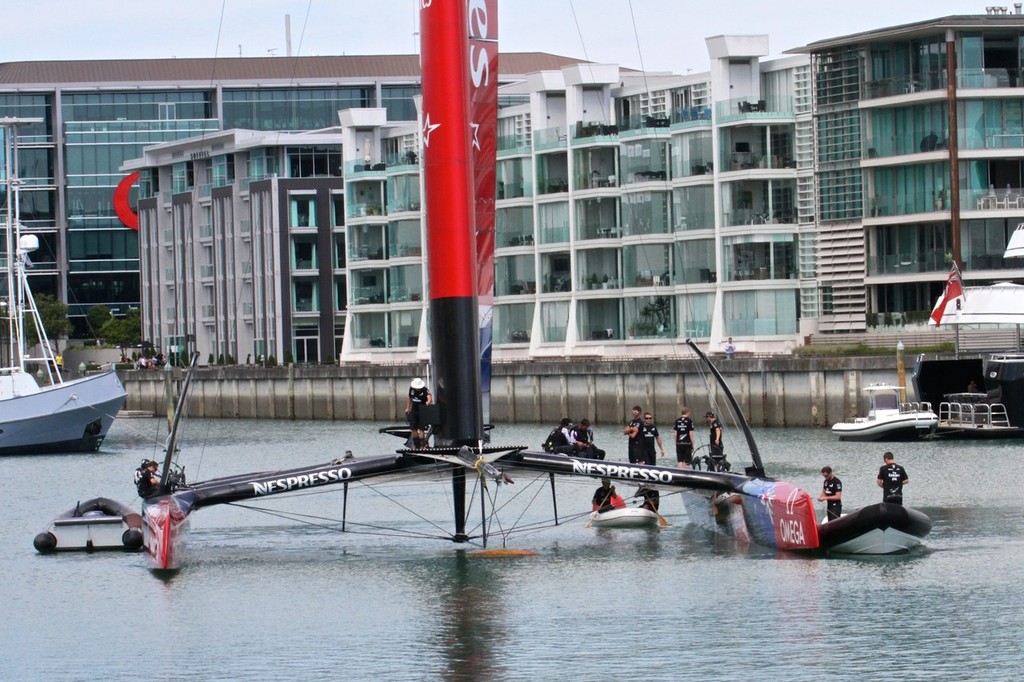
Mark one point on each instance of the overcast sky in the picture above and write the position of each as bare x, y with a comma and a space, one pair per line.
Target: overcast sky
659, 35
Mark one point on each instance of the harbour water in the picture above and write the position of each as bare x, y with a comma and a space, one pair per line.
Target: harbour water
269, 594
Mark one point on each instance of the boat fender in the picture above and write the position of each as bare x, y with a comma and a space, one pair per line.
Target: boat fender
45, 542
93, 427
132, 538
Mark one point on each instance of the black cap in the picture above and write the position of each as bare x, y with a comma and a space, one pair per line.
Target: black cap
709, 413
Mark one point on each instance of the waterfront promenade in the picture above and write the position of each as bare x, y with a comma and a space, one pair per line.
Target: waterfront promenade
772, 391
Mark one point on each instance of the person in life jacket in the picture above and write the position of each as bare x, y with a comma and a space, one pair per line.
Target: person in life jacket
605, 498
146, 481
560, 438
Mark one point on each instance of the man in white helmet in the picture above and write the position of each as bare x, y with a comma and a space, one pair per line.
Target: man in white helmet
419, 397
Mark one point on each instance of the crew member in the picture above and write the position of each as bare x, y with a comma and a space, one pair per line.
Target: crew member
891, 479
605, 497
648, 437
831, 494
419, 397
652, 498
583, 439
717, 453
632, 432
684, 439
146, 481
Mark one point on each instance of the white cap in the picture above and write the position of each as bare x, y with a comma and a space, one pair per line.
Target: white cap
417, 383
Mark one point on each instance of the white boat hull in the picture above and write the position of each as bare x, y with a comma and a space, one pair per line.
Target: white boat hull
73, 416
878, 541
630, 517
94, 525
906, 426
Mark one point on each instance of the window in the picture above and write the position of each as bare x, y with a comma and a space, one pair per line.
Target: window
302, 211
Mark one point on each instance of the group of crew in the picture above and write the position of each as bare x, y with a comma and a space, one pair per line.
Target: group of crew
891, 479
569, 439
643, 441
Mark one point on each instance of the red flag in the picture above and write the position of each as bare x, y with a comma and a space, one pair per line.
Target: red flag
954, 290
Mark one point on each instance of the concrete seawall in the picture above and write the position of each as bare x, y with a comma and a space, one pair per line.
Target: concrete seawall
771, 391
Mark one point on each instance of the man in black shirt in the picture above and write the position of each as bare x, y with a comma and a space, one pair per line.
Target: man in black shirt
632, 432
831, 494
717, 450
648, 437
146, 481
891, 479
684, 439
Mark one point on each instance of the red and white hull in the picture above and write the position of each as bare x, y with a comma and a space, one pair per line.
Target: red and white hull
165, 533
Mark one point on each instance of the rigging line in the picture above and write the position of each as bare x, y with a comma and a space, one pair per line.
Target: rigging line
302, 518
583, 46
639, 52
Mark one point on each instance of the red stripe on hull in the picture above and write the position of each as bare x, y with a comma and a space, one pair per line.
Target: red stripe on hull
165, 532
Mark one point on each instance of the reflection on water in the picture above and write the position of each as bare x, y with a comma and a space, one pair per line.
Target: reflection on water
292, 597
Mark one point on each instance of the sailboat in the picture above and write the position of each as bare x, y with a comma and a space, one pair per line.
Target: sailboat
59, 415
749, 506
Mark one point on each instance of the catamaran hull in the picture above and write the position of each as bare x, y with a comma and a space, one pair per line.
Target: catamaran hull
73, 416
165, 525
630, 517
906, 427
94, 525
877, 529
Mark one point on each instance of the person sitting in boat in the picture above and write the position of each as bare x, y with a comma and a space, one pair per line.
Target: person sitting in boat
419, 397
652, 498
831, 494
146, 481
606, 499
583, 441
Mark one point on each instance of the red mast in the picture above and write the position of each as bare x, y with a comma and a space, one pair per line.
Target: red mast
452, 265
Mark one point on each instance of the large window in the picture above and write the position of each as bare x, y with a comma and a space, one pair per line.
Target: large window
553, 222
761, 313
309, 162
399, 100
513, 322
291, 109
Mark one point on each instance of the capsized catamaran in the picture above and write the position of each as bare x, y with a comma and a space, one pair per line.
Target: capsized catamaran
456, 64
60, 415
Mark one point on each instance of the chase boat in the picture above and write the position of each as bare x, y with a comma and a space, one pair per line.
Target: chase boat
888, 418
93, 525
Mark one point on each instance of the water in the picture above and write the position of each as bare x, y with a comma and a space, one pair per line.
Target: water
267, 597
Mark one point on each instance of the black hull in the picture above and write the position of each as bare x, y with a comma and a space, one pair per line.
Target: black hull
877, 529
86, 444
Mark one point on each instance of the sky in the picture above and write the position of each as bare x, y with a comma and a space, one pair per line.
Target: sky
656, 35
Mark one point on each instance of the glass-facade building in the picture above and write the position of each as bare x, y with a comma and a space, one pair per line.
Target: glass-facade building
895, 168
96, 115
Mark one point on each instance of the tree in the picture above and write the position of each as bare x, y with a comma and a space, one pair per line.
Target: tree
54, 315
123, 332
96, 317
